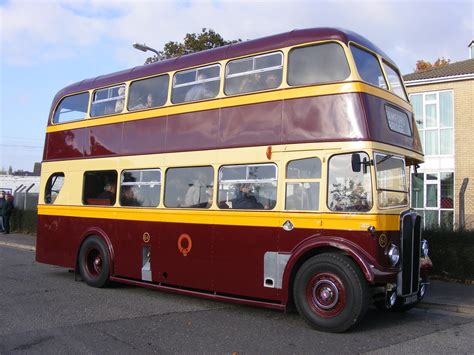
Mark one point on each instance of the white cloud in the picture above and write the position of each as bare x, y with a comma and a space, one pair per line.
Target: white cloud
35, 32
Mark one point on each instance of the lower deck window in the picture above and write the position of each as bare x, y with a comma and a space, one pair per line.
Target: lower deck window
189, 187
53, 187
140, 188
247, 187
100, 187
349, 189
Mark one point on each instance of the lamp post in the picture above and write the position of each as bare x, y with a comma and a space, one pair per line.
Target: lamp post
144, 48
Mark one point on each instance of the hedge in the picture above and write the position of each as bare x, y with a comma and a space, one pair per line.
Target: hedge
23, 221
452, 253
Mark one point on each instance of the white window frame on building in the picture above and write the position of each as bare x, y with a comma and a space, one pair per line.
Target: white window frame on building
435, 117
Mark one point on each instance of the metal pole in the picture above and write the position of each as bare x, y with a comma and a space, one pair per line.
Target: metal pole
462, 192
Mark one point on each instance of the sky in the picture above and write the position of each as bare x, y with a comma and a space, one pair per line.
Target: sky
47, 45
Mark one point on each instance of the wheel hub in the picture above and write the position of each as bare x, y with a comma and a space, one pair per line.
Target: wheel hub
325, 294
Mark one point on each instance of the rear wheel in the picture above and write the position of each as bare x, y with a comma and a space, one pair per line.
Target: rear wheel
94, 262
330, 292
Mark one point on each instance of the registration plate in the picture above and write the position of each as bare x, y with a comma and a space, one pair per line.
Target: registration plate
410, 299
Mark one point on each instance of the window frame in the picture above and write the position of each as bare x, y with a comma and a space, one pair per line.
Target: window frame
247, 181
385, 62
195, 82
379, 189
49, 187
303, 180
314, 45
147, 183
377, 58
83, 199
254, 71
130, 86
68, 96
109, 99
371, 190
188, 207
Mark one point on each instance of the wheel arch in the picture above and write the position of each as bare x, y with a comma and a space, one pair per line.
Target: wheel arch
317, 246
93, 231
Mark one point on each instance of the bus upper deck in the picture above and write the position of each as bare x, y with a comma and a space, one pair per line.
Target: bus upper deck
315, 85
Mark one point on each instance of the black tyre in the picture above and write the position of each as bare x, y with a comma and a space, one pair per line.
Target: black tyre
330, 292
94, 262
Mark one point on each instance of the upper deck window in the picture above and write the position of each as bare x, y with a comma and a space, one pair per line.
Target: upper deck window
72, 108
196, 84
148, 93
395, 81
317, 64
108, 101
256, 73
369, 67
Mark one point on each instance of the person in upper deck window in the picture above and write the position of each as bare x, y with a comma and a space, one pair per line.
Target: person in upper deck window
200, 90
120, 103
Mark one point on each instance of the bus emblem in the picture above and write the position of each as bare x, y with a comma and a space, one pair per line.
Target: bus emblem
184, 244
383, 240
146, 237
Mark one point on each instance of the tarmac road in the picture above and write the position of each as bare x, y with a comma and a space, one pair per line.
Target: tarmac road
43, 310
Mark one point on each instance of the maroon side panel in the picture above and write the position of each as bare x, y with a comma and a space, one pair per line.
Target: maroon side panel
70, 144
323, 118
314, 119
224, 259
191, 130
128, 246
239, 260
105, 140
257, 124
59, 238
144, 136
195, 269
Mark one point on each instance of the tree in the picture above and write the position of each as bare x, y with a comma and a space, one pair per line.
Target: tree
422, 65
193, 42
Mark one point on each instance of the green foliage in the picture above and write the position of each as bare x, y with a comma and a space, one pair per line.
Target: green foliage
23, 221
193, 42
452, 253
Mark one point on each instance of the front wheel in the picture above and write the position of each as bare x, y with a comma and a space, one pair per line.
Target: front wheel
330, 292
94, 262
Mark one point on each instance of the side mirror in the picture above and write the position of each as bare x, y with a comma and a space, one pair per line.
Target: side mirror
355, 161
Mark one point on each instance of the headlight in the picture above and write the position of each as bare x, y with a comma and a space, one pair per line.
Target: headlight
394, 254
424, 248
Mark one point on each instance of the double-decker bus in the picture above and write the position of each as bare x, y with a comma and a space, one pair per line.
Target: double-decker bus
270, 172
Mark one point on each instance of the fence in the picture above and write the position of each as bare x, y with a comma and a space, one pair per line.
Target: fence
24, 216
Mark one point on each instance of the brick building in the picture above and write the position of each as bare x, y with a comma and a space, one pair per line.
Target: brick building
442, 100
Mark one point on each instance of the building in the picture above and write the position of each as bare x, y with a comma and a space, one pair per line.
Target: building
442, 100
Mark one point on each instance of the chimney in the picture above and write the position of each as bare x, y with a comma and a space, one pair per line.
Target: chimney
471, 50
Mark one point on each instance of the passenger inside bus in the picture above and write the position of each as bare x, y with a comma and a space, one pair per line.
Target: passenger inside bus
128, 198
109, 193
246, 200
200, 90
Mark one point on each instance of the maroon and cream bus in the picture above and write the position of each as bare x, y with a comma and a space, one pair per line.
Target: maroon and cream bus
270, 172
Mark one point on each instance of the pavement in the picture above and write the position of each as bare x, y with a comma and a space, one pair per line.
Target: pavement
441, 295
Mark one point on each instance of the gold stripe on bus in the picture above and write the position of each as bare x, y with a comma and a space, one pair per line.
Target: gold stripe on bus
336, 221
261, 97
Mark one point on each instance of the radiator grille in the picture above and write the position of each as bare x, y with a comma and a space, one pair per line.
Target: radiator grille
410, 235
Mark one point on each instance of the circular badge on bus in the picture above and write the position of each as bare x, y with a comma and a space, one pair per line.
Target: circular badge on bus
185, 244
383, 240
146, 237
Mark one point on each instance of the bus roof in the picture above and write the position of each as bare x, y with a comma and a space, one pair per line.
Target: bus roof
212, 55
